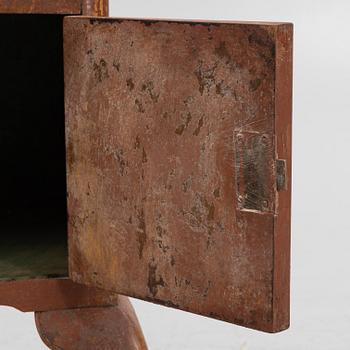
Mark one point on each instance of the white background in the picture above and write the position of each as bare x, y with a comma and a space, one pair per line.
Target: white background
321, 268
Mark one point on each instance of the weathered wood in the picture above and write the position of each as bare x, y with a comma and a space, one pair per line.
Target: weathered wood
29, 250
41, 6
173, 135
283, 131
113, 327
96, 8
52, 294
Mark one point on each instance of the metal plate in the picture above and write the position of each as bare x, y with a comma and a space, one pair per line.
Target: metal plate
172, 143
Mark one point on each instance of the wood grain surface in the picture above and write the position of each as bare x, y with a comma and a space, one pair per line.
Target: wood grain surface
41, 6
176, 133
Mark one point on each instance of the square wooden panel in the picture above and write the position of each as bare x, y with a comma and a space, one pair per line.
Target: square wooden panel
176, 136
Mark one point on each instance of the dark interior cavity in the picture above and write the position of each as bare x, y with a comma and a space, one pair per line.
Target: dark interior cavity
33, 235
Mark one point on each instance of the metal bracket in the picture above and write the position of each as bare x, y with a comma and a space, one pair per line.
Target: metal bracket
281, 178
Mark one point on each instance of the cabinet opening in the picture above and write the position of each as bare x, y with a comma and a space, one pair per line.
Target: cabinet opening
33, 233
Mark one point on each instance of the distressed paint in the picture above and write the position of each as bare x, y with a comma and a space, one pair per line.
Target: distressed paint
115, 327
96, 8
153, 112
283, 131
68, 315
34, 292
65, 7
41, 6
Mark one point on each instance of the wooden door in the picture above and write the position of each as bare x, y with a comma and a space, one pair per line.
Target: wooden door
179, 164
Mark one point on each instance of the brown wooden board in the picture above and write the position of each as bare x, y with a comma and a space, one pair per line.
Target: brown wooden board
52, 294
41, 6
178, 155
86, 7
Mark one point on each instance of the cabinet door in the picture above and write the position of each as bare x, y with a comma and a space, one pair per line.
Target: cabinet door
178, 157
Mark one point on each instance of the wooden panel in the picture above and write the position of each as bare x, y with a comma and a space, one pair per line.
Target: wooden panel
52, 294
41, 6
173, 133
86, 7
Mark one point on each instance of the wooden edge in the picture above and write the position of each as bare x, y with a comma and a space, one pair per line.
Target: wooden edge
98, 8
41, 6
204, 22
282, 223
64, 7
52, 294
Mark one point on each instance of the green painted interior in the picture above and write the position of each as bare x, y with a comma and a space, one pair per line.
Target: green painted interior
33, 235
39, 260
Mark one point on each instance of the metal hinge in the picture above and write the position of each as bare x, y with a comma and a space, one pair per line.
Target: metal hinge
281, 177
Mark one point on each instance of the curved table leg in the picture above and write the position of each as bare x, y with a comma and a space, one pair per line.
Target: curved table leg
103, 328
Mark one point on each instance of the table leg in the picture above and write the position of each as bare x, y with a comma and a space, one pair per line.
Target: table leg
103, 328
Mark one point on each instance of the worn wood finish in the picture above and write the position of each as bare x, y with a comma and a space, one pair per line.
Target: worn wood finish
173, 135
283, 148
67, 7
96, 8
41, 6
28, 259
52, 294
113, 327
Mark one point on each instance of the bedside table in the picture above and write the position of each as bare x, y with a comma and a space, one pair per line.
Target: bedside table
172, 141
